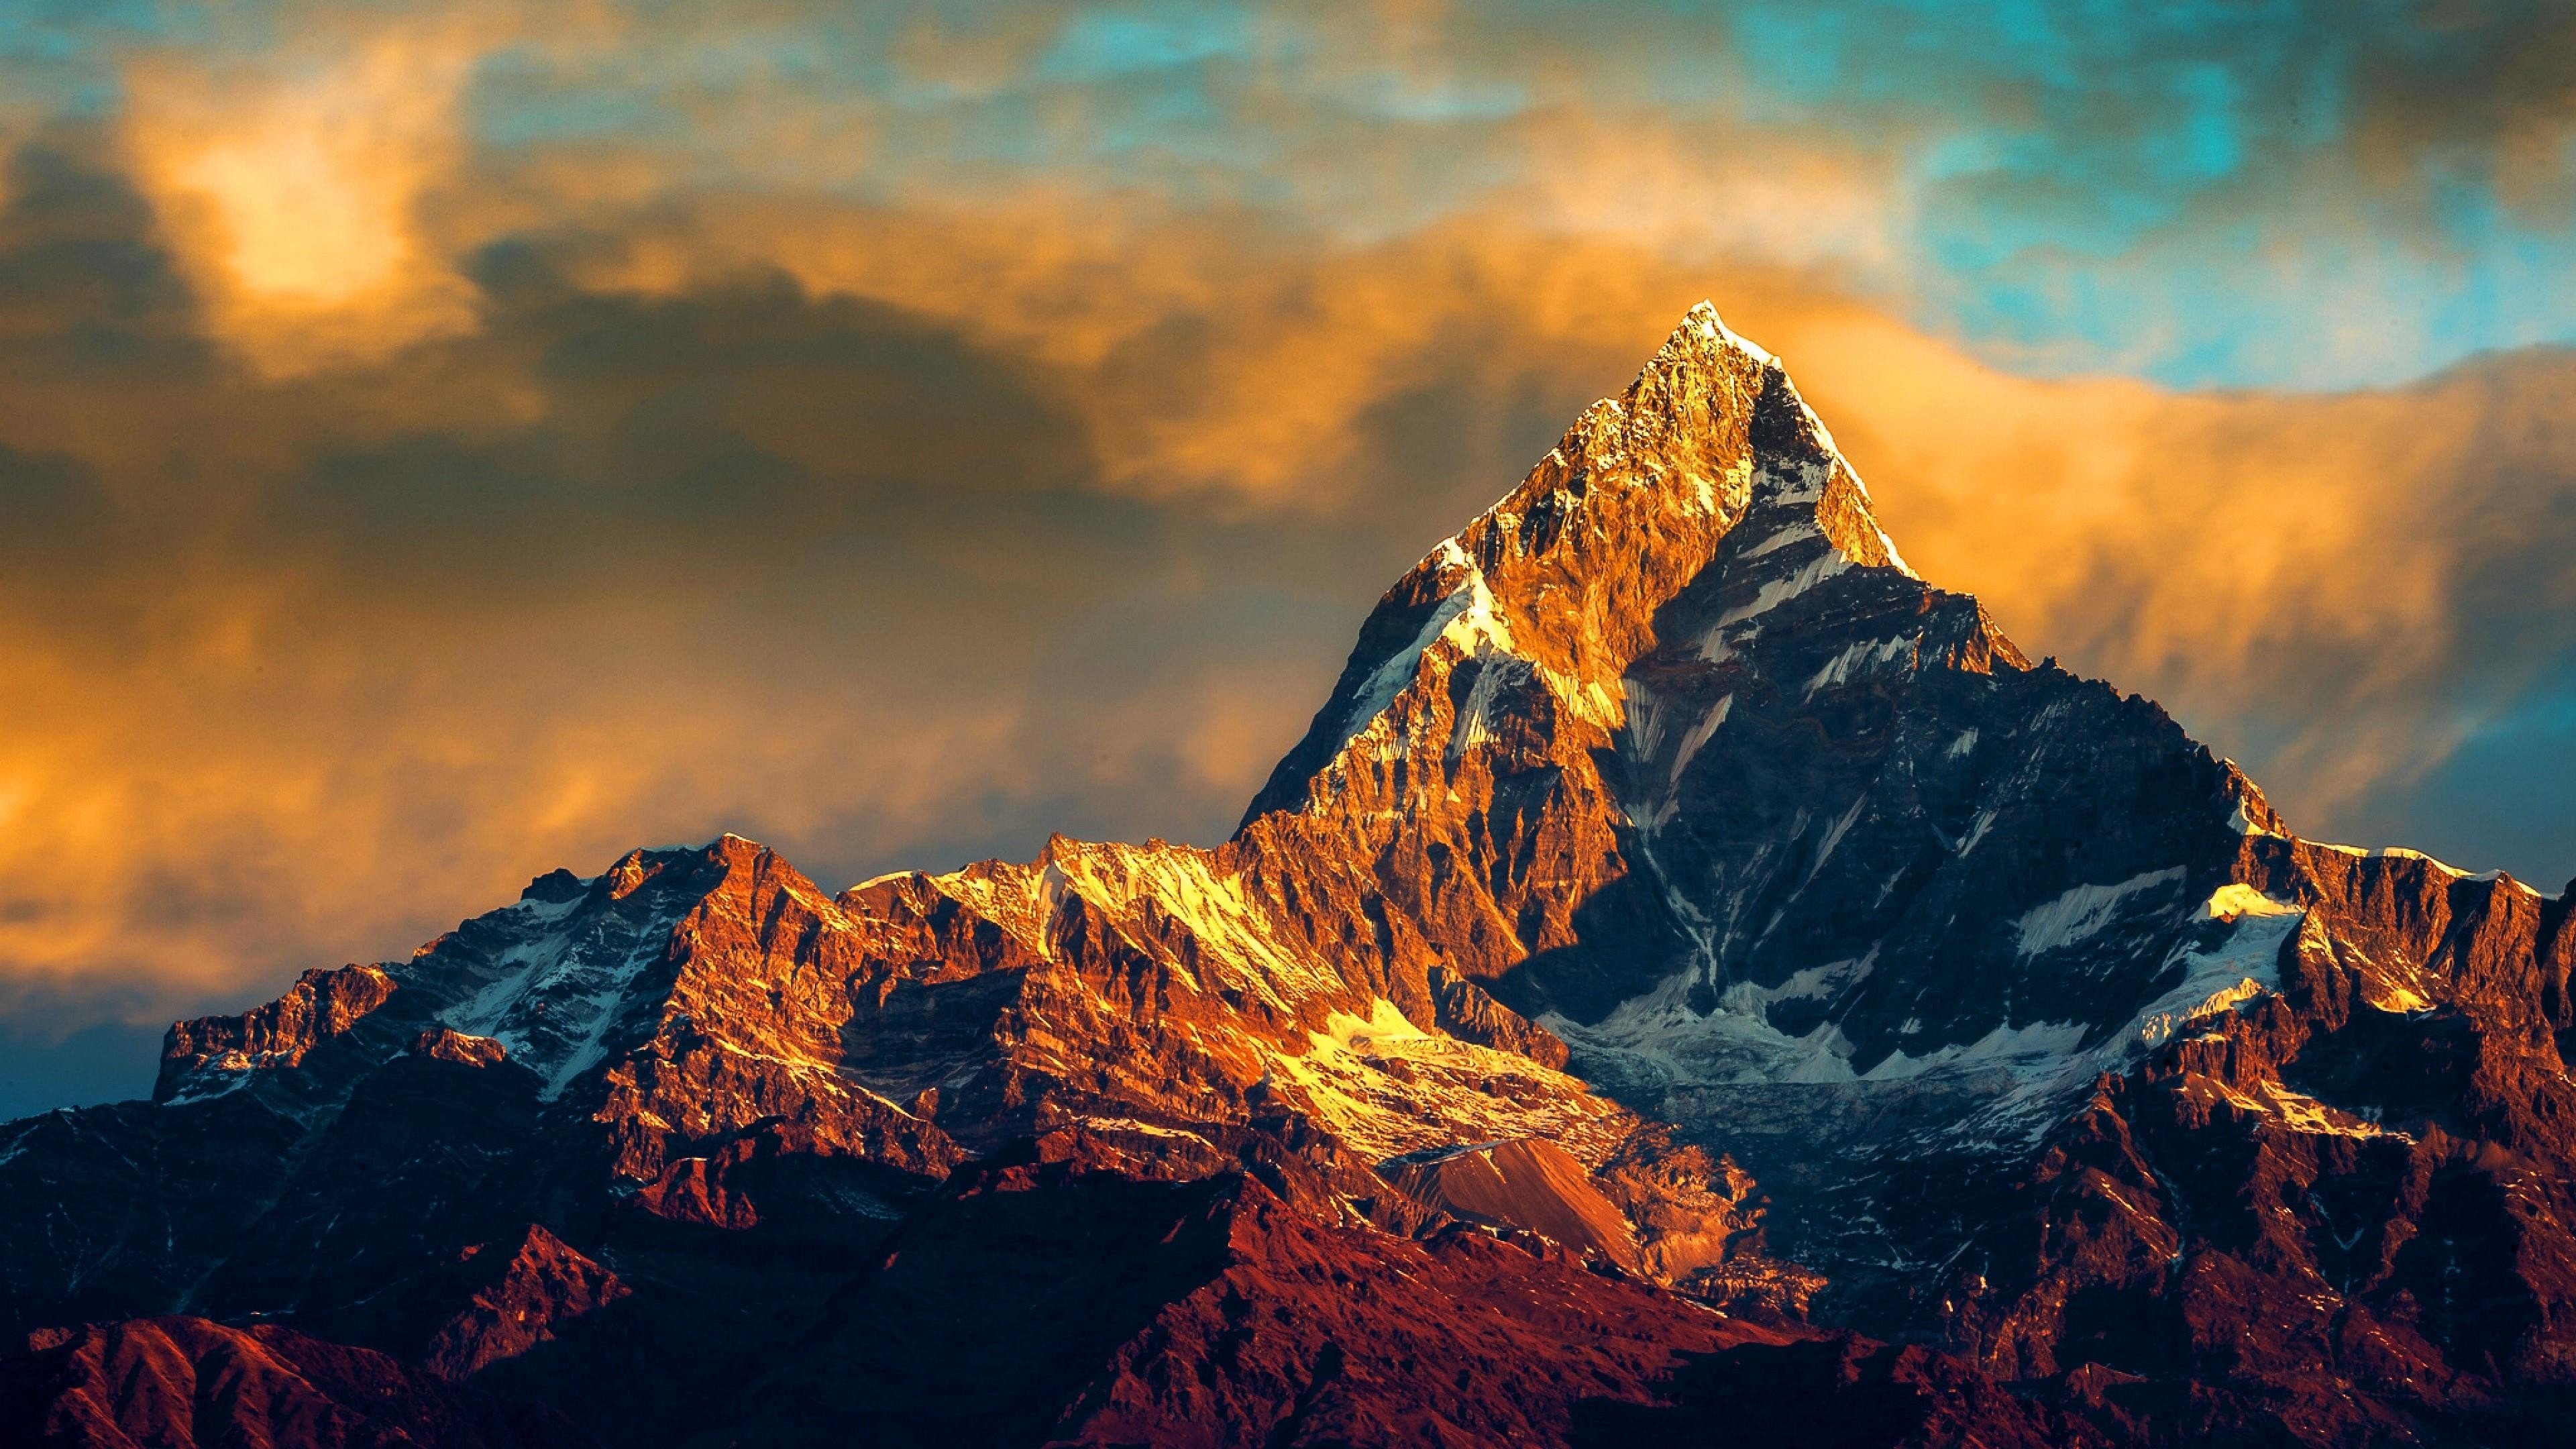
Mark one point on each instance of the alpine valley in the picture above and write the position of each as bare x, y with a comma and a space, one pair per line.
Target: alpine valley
1694, 982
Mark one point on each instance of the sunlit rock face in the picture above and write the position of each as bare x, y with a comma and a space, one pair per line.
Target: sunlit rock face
1678, 909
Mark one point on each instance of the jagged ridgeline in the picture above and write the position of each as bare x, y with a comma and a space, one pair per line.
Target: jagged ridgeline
1684, 940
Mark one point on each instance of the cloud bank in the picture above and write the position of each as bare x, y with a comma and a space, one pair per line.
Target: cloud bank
438, 448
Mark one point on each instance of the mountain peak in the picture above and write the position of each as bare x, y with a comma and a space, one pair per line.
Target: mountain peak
1701, 327
1565, 577
1797, 461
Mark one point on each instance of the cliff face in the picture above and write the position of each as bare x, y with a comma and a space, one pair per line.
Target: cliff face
1679, 909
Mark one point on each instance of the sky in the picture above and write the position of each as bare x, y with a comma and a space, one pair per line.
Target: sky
443, 443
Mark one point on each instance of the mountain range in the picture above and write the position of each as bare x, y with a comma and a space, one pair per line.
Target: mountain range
1694, 981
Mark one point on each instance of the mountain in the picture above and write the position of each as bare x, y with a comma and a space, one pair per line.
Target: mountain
1694, 978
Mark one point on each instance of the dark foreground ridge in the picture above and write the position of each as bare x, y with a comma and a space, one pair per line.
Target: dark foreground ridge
1694, 982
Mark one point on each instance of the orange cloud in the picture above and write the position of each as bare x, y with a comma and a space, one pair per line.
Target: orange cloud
315, 191
295, 200
2302, 570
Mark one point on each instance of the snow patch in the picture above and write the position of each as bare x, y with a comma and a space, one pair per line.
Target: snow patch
1856, 659
1386, 1087
2083, 912
1794, 533
2026, 1073
1984, 822
2397, 999
1650, 720
1811, 983
1141, 1129
1475, 723
2301, 1113
1658, 1036
1775, 592
1236, 945
1834, 835
2032, 1049
2245, 963
2235, 899
2399, 852
2243, 824
218, 1077
1464, 617
558, 996
1703, 322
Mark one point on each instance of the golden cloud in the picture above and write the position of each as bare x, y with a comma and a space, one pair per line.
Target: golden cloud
311, 190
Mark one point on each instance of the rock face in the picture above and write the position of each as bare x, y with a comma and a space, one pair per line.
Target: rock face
173, 1381
1692, 973
1528, 1184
